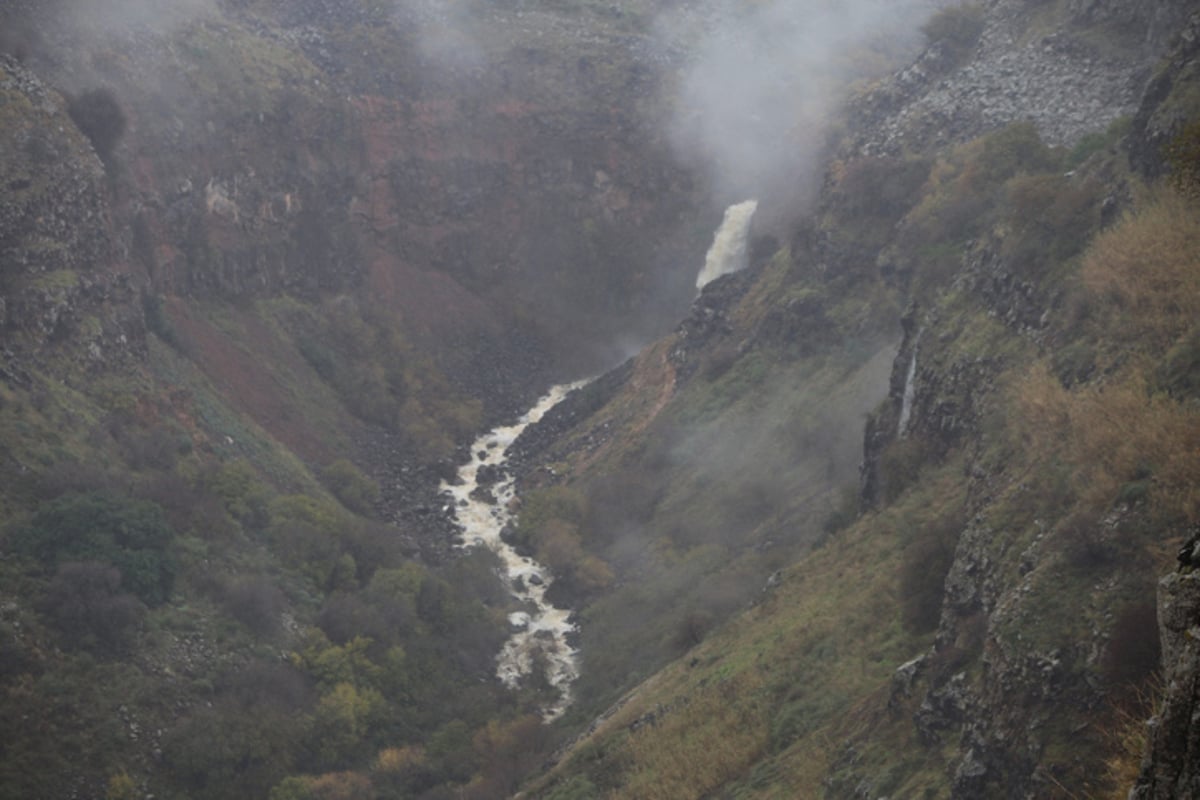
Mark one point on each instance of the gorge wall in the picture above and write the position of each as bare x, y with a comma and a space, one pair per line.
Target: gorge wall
511, 174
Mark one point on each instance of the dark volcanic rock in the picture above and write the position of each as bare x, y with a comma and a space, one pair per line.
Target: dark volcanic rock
1171, 768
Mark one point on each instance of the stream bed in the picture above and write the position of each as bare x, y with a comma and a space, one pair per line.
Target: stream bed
482, 505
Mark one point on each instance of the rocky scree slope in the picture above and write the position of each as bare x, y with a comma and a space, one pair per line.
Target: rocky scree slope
1070, 67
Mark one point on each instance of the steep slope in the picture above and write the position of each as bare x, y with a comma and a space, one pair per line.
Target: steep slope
985, 628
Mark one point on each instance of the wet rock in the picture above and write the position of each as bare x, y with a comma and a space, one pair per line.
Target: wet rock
483, 495
489, 474
903, 679
1171, 766
943, 708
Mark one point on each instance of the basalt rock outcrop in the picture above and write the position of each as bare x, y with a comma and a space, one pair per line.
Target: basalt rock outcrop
466, 175
61, 277
1169, 769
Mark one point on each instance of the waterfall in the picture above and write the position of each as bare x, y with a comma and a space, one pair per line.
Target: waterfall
910, 390
728, 250
482, 512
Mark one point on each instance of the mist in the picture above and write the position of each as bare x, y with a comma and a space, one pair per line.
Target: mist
446, 35
765, 80
116, 16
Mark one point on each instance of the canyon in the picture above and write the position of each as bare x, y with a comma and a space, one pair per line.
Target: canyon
877, 506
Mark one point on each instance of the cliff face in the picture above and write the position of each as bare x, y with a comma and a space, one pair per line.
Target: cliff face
463, 175
61, 278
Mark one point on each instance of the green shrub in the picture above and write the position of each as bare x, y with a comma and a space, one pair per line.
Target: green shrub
1051, 218
882, 186
243, 494
308, 533
85, 603
1016, 149
350, 486
255, 602
900, 465
957, 28
1093, 143
132, 535
319, 357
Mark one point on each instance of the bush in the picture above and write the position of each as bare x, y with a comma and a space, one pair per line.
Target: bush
882, 186
99, 117
243, 494
1084, 543
131, 535
256, 603
900, 465
1015, 149
1147, 267
1104, 436
350, 486
345, 617
1052, 219
153, 449
236, 748
957, 28
85, 603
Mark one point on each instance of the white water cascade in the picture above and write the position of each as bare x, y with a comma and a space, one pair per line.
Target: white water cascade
540, 634
728, 251
910, 391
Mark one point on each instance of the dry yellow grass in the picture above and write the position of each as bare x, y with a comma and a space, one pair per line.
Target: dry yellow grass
713, 739
1110, 432
1149, 266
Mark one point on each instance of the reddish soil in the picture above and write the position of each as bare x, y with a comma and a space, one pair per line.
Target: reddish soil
236, 370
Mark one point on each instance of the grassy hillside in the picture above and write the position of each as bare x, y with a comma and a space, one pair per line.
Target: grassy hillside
987, 623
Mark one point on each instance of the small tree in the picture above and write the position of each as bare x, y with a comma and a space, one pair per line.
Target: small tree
85, 603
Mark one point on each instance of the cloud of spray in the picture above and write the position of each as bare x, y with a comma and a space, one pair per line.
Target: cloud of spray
765, 79
117, 16
445, 31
